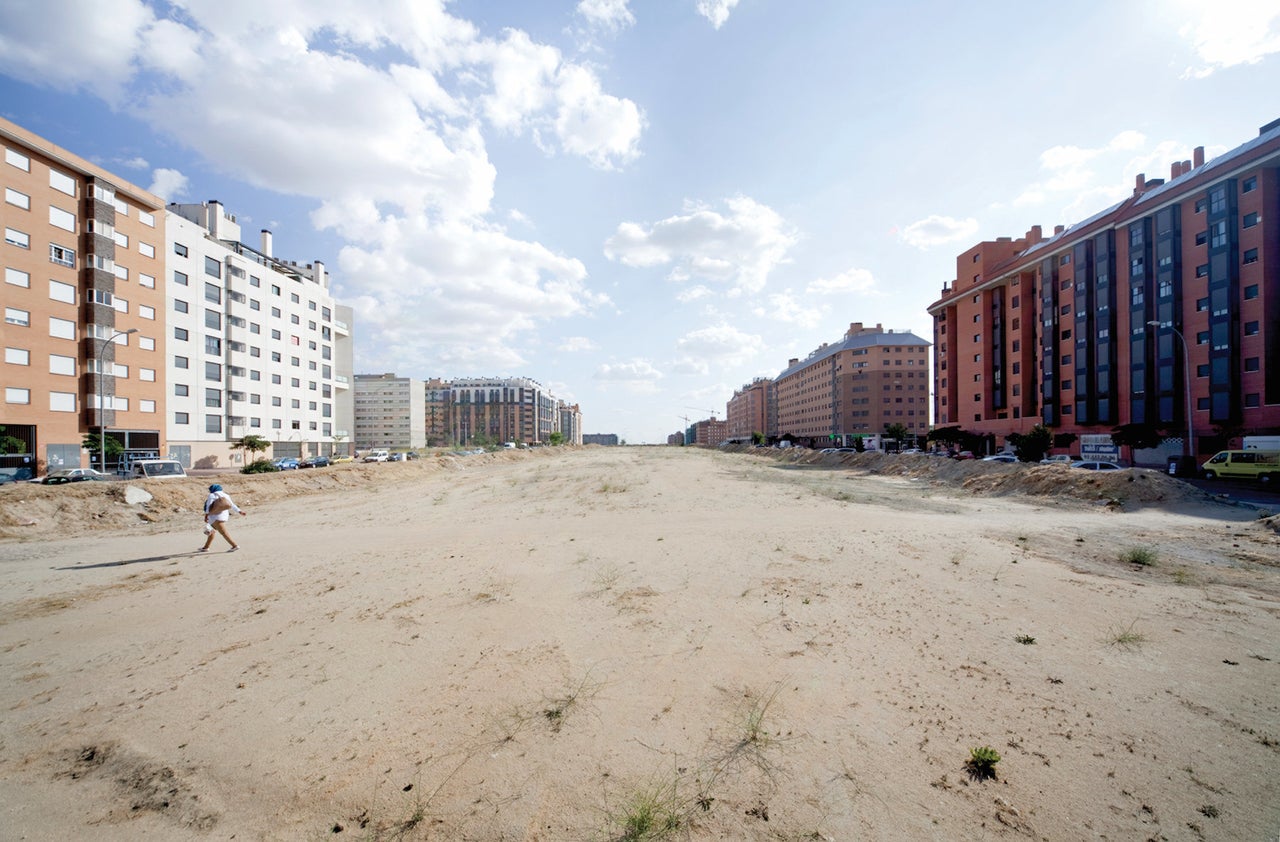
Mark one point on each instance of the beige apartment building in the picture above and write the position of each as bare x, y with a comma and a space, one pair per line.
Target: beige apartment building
83, 296
390, 412
856, 387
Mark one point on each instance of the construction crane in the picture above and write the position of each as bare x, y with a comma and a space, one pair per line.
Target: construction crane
712, 412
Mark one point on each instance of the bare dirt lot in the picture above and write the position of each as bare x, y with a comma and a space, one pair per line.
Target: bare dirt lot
642, 643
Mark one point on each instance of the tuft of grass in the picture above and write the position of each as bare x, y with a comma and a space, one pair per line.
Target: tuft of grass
982, 761
1126, 638
1025, 639
1143, 556
650, 814
1182, 576
560, 707
606, 576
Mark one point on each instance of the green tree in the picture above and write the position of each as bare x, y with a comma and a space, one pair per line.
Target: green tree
1136, 437
91, 444
556, 439
11, 444
899, 433
1032, 446
251, 444
757, 438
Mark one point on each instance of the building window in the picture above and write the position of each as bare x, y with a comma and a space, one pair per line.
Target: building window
1202, 337
1202, 237
1202, 304
17, 278
180, 333
1251, 364
14, 316
1250, 184
1202, 371
212, 371
1251, 400
1218, 234
1202, 403
1250, 256
213, 423
1250, 219
1250, 328
14, 158
15, 395
15, 237
1250, 292
1218, 200
213, 268
180, 362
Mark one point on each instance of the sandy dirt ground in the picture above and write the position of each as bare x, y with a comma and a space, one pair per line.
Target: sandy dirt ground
641, 643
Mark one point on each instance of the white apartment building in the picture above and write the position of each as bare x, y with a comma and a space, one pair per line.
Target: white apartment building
390, 412
570, 422
256, 345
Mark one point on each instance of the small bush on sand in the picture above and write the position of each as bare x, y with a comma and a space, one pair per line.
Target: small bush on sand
1143, 556
982, 762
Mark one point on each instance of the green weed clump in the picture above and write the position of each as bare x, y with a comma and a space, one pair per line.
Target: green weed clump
982, 762
1142, 556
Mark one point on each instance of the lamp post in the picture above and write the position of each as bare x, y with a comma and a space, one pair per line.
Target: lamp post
102, 421
1189, 456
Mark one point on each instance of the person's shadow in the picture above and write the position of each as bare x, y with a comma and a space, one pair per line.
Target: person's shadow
123, 562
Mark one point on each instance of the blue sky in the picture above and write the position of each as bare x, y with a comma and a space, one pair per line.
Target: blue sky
641, 205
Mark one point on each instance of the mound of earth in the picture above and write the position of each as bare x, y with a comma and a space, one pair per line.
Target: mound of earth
34, 511
1132, 487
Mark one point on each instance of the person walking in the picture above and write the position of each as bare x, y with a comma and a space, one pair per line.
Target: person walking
217, 511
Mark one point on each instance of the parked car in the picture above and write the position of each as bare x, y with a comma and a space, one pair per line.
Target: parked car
913, 451
15, 475
286, 463
72, 475
1000, 457
964, 454
412, 455
376, 456
157, 469
398, 457
1097, 466
336, 459
1058, 459
314, 462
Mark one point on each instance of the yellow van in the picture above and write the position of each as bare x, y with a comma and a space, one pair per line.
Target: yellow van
1262, 465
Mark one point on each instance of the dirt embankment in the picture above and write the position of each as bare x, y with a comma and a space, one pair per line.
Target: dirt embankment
1130, 488
34, 511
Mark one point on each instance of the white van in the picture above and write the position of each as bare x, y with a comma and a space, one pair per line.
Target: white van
157, 469
377, 456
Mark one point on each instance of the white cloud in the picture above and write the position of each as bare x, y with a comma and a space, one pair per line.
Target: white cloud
169, 185
937, 230
811, 308
722, 345
693, 293
636, 375
379, 113
849, 281
738, 249
137, 163
1230, 33
608, 15
787, 307
577, 343
716, 11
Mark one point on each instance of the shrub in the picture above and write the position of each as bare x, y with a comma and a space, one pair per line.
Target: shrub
1144, 556
259, 466
982, 762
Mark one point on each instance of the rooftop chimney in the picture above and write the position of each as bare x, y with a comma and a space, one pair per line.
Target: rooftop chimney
266, 243
1139, 183
1197, 156
1058, 229
1035, 235
321, 278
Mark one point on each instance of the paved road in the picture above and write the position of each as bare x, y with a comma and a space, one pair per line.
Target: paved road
1265, 496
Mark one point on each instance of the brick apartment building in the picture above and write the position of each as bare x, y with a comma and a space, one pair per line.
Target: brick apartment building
748, 411
856, 387
1060, 330
84, 311
502, 409
570, 422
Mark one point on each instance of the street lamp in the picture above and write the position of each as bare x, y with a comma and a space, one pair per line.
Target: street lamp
1189, 457
102, 420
